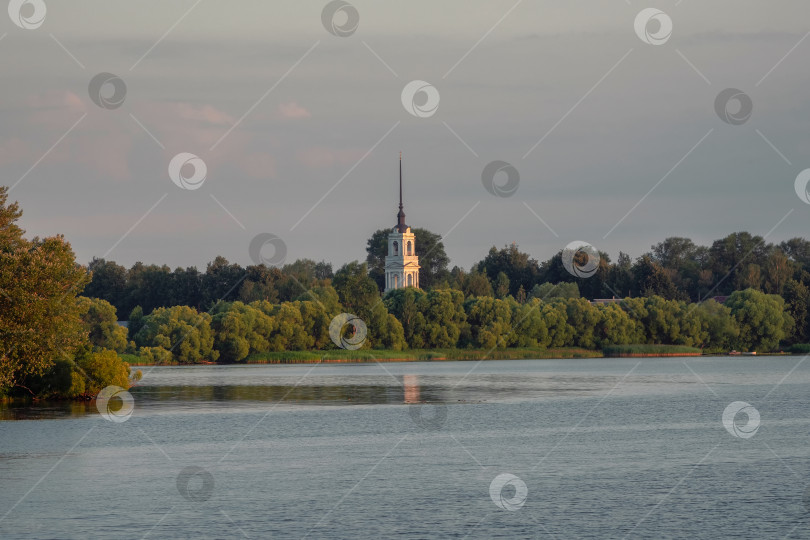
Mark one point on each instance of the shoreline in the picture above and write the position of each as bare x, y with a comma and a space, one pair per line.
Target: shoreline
368, 356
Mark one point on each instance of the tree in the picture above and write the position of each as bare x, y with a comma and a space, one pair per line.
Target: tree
356, 290
518, 267
547, 291
502, 285
778, 270
109, 282
761, 318
433, 260
733, 256
616, 327
101, 323
39, 314
653, 280
220, 281
476, 284
240, 330
86, 375
797, 301
182, 331
720, 326
530, 326
489, 320
584, 318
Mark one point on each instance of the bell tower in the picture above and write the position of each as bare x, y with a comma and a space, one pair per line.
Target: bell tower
401, 264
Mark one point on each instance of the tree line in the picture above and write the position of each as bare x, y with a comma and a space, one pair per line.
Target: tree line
59, 333
674, 269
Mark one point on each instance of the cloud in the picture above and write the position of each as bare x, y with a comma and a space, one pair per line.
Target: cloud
321, 157
206, 113
293, 110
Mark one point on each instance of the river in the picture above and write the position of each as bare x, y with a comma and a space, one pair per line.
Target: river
586, 448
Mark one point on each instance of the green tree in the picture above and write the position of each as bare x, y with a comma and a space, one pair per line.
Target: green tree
101, 322
761, 318
529, 325
502, 286
221, 281
518, 267
489, 320
356, 290
240, 330
182, 331
584, 318
547, 291
719, 324
797, 301
109, 282
476, 284
39, 314
616, 327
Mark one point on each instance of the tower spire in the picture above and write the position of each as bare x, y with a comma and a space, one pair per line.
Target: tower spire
400, 180
401, 227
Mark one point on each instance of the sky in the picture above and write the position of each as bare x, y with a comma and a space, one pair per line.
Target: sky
292, 115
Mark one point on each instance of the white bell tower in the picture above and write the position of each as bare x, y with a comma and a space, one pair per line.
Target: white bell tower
401, 264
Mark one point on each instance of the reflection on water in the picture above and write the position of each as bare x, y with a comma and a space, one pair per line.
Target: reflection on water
166, 388
411, 385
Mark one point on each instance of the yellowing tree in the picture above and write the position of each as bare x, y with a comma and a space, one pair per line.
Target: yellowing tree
39, 315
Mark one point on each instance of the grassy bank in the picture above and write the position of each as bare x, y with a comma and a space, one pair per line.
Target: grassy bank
411, 355
416, 355
650, 350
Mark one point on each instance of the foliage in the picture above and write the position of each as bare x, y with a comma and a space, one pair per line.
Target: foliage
101, 322
39, 314
180, 330
647, 349
761, 318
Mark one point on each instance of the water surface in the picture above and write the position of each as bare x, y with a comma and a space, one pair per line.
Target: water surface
607, 448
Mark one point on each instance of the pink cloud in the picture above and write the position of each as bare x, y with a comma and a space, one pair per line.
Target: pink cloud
206, 113
320, 157
293, 110
55, 109
258, 165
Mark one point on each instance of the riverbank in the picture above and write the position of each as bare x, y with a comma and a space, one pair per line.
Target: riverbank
410, 355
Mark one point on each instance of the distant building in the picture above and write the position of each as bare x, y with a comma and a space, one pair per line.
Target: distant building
401, 264
720, 299
613, 300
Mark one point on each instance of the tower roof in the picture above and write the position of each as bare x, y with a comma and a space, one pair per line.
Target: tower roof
401, 226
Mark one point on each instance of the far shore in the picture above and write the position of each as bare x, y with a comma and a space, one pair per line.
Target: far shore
444, 355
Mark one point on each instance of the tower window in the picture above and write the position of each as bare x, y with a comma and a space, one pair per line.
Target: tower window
409, 248
410, 279
396, 248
